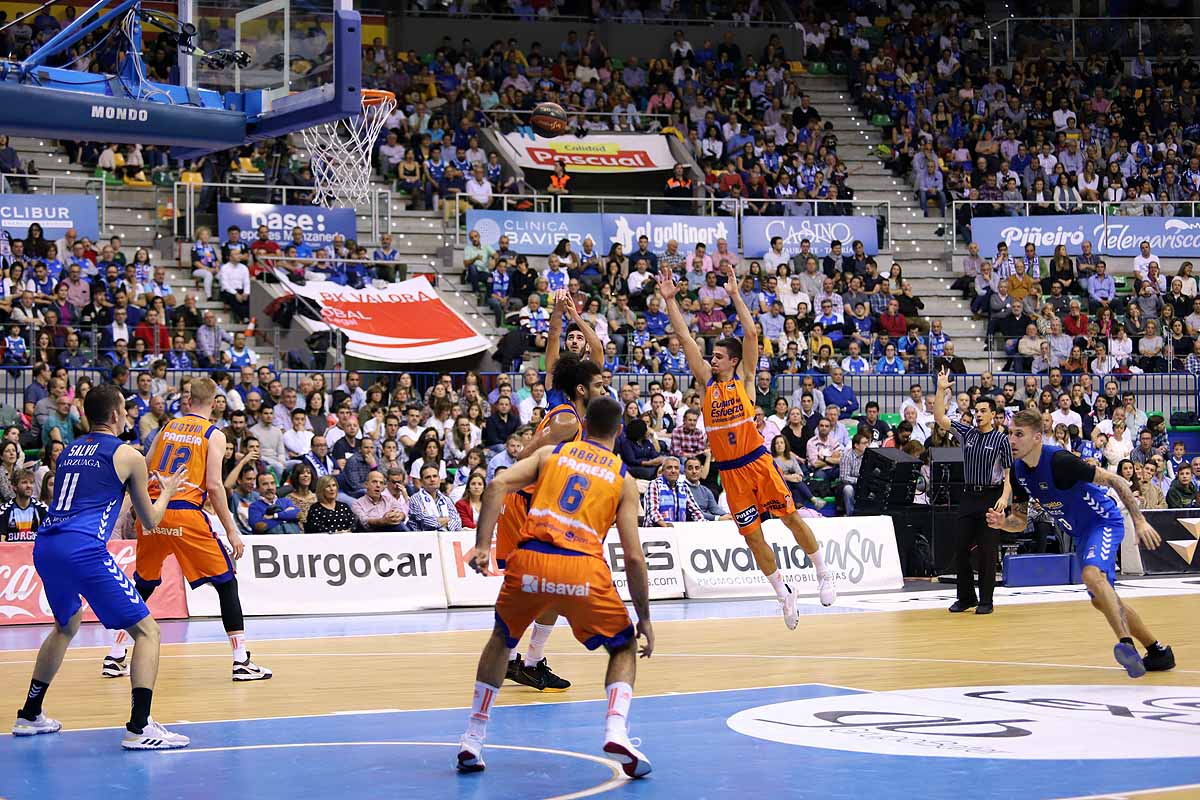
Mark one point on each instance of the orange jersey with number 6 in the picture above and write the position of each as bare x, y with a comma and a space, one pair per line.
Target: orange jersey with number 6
578, 490
182, 442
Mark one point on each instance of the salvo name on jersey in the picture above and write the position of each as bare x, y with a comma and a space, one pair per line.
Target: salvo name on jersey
336, 569
1007, 722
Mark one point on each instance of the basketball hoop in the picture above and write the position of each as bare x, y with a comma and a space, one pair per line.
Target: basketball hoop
341, 151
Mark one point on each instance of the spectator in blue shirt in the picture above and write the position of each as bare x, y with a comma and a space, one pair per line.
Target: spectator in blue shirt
656, 320
838, 393
1101, 289
499, 299
929, 187
271, 513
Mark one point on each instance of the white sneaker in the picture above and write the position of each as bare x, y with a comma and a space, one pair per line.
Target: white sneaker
470, 754
115, 667
43, 724
249, 671
828, 588
791, 615
633, 761
154, 737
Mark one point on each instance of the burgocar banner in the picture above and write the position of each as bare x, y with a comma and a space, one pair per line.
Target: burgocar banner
598, 152
403, 323
23, 600
1046, 232
317, 224
334, 574
535, 233
465, 587
757, 233
56, 213
624, 229
861, 552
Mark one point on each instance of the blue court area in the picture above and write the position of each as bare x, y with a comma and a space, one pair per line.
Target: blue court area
1011, 746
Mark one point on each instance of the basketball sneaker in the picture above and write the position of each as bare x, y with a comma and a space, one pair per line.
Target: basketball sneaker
154, 737
1127, 656
828, 588
115, 667
470, 754
249, 671
624, 750
790, 614
32, 727
1159, 659
541, 678
515, 665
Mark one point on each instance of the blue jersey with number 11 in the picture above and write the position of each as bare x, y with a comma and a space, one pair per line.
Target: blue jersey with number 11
87, 490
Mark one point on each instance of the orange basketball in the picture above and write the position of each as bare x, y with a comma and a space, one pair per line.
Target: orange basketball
549, 120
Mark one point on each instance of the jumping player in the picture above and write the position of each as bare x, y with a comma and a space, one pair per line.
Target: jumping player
753, 485
579, 381
581, 489
72, 558
194, 444
1074, 494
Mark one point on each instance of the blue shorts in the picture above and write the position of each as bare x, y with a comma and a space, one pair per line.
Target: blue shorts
1098, 548
73, 564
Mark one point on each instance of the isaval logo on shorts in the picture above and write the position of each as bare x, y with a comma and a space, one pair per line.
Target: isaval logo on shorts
535, 585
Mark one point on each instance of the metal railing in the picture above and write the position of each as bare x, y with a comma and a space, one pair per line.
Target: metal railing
675, 22
705, 206
10, 181
1055, 37
1111, 215
186, 197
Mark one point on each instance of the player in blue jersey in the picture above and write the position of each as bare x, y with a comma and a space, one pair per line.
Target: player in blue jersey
72, 558
1075, 494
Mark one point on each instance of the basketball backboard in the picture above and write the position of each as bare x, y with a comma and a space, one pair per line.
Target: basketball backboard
254, 69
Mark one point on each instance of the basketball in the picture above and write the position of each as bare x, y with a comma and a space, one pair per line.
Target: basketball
549, 120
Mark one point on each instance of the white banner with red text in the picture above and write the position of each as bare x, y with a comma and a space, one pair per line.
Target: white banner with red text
860, 551
23, 600
402, 323
597, 152
465, 587
334, 574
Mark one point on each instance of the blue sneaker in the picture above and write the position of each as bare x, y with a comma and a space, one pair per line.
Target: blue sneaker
1127, 656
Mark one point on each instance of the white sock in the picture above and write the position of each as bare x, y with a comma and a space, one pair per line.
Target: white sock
620, 696
120, 642
238, 642
537, 643
818, 561
481, 708
513, 654
776, 581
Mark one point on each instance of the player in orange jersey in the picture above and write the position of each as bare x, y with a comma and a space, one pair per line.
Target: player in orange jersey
194, 444
580, 381
581, 489
753, 485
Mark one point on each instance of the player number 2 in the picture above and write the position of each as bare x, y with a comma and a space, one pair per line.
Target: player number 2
181, 457
732, 437
572, 494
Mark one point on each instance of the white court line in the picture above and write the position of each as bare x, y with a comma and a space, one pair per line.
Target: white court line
1134, 792
613, 782
660, 654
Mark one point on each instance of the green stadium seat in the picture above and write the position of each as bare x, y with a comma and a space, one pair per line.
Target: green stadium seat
891, 419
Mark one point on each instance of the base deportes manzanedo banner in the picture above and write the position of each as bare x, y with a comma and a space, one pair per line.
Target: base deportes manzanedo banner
334, 574
23, 600
391, 572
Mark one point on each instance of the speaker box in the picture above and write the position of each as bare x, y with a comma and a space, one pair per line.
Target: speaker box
946, 475
890, 465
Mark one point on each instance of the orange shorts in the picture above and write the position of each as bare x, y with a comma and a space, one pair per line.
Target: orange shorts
541, 577
512, 518
754, 489
184, 533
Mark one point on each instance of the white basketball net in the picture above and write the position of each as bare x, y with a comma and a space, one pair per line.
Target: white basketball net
341, 153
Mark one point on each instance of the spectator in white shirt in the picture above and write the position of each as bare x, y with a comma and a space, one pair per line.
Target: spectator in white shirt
1142, 261
536, 399
1063, 415
479, 188
270, 440
298, 441
391, 153
234, 280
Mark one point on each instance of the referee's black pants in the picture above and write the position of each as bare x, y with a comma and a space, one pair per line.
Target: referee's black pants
973, 531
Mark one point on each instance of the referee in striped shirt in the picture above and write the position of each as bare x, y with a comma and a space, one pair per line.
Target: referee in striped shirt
987, 458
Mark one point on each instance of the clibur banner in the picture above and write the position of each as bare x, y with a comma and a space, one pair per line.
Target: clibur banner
56, 213
23, 599
317, 224
757, 233
1110, 235
335, 574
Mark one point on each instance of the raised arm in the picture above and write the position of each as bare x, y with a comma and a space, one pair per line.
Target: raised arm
554, 335
749, 329
668, 287
939, 399
595, 346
